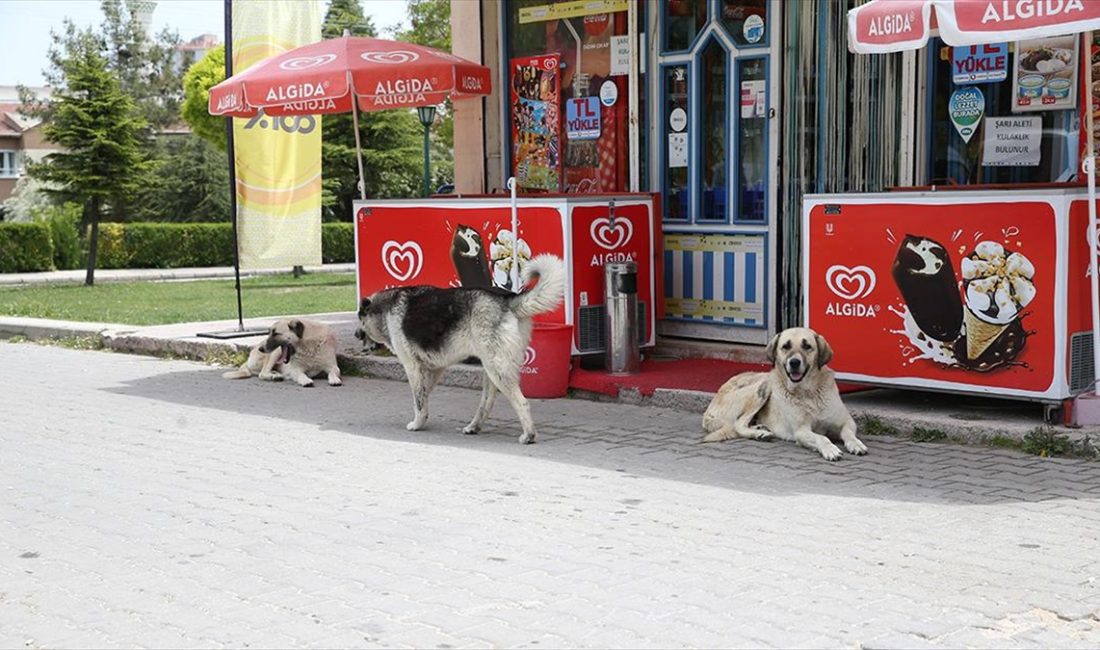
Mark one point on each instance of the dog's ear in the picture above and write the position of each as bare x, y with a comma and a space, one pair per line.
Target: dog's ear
769, 351
363, 305
297, 327
824, 351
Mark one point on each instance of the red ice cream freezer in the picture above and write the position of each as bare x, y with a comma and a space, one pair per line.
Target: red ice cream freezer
467, 241
983, 292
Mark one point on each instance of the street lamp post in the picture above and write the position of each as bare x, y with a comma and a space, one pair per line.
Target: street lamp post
427, 116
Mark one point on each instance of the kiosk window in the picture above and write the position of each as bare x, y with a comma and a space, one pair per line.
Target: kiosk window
684, 20
590, 97
1048, 138
715, 135
676, 112
752, 139
746, 21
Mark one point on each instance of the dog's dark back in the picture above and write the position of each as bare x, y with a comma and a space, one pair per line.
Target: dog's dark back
431, 314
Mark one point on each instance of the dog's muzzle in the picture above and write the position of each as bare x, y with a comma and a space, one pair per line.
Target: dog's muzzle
368, 345
796, 369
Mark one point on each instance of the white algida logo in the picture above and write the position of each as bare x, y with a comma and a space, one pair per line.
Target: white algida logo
395, 57
307, 62
850, 283
612, 234
403, 261
529, 356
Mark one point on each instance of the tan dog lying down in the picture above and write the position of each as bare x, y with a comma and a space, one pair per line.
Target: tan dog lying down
295, 348
796, 400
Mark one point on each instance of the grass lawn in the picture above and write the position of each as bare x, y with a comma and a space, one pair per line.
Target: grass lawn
158, 303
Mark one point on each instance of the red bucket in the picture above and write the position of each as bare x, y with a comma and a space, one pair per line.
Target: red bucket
545, 370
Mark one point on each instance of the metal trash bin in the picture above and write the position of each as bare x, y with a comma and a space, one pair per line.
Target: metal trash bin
620, 290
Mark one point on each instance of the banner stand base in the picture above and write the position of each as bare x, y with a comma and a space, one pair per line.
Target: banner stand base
232, 334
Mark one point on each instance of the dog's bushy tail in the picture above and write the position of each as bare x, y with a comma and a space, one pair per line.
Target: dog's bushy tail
548, 293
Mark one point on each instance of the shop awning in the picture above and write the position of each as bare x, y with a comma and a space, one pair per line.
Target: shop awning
896, 25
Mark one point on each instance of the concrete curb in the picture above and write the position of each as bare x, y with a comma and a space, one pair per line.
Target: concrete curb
154, 275
887, 415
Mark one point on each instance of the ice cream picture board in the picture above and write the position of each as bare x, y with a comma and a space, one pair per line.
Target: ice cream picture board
936, 294
982, 332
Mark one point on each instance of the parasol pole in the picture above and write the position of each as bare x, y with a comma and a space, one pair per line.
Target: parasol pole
1090, 169
632, 92
355, 125
515, 236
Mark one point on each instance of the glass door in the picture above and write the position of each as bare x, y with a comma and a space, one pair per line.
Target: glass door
714, 133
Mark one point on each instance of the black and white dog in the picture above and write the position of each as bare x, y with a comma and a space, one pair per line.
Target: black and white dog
429, 329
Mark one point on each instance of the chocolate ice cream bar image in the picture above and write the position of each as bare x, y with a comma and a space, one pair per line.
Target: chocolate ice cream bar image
923, 273
469, 257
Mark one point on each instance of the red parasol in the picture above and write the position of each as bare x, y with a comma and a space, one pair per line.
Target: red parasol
321, 78
894, 25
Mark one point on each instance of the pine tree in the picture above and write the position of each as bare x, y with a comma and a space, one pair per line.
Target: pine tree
98, 128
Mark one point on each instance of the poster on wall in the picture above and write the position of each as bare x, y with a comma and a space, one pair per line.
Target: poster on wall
754, 98
536, 123
979, 64
1044, 76
966, 107
582, 118
1012, 142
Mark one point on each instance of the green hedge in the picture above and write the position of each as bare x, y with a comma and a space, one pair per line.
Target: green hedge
164, 245
174, 245
25, 247
337, 243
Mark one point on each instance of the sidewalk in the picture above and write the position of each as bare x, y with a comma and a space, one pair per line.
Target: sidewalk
132, 275
940, 416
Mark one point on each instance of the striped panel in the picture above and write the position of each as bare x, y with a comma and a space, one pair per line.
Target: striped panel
715, 278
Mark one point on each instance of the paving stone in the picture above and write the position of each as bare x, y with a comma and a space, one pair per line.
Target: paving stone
159, 505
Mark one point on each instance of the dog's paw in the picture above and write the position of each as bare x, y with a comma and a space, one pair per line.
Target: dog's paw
760, 433
335, 382
306, 384
831, 452
855, 446
272, 376
527, 438
716, 436
470, 430
415, 425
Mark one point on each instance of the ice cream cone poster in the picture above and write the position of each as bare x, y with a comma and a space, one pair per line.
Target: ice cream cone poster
966, 108
935, 295
536, 123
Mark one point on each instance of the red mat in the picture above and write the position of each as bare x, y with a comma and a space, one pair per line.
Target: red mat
705, 375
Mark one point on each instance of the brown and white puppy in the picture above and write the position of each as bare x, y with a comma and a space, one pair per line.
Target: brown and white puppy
797, 400
294, 348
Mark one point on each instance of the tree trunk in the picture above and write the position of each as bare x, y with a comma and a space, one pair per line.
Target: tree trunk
91, 212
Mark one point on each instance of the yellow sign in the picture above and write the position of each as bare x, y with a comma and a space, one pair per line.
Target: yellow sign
571, 9
715, 243
697, 308
278, 159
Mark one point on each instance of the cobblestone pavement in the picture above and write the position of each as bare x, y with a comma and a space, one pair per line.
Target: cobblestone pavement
152, 503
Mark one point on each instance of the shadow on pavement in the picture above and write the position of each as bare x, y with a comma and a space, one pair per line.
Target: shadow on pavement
642, 441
